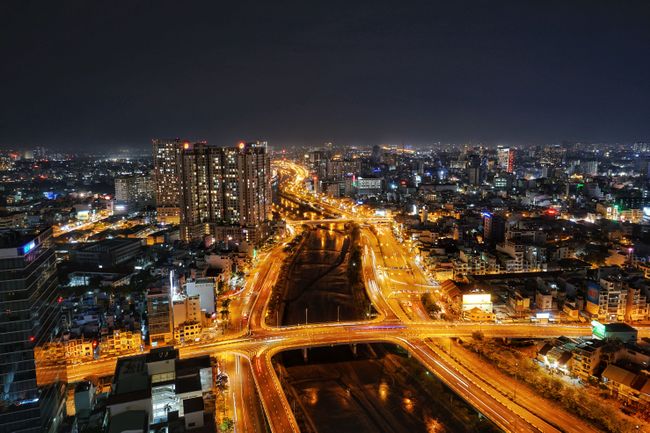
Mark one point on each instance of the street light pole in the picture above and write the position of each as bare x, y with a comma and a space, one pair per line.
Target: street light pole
516, 376
338, 313
306, 313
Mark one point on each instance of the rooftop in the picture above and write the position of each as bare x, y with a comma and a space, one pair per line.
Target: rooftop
590, 345
192, 365
11, 238
130, 375
187, 384
16, 243
619, 327
161, 354
108, 244
619, 375
193, 405
132, 420
81, 387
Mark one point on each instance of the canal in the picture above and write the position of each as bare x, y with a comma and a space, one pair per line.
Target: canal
320, 281
368, 389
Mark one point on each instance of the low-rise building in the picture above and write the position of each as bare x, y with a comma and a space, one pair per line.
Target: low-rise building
79, 350
71, 351
204, 288
607, 301
630, 387
159, 317
364, 186
520, 304
571, 310
543, 300
107, 253
586, 358
478, 315
615, 331
160, 389
187, 331
121, 343
477, 299
187, 310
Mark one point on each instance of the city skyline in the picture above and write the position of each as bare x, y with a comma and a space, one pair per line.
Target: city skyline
162, 298
325, 216
85, 77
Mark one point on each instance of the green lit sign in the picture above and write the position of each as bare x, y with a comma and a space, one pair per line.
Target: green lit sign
598, 329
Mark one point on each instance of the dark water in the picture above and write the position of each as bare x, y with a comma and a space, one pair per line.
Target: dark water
379, 389
318, 288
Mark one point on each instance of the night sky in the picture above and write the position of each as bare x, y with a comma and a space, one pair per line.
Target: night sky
93, 74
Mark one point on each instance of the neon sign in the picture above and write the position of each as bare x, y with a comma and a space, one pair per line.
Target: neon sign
598, 329
28, 247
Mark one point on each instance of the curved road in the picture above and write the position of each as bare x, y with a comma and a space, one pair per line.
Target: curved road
258, 342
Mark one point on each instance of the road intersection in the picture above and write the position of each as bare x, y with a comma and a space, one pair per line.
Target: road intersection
388, 269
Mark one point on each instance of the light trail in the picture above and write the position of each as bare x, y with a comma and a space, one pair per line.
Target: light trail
258, 343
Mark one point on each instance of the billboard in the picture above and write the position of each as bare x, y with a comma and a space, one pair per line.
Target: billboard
477, 300
83, 215
28, 247
593, 292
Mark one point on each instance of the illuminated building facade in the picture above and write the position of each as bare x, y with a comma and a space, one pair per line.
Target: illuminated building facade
225, 192
614, 331
607, 301
166, 173
477, 307
479, 300
159, 317
494, 228
134, 191
30, 316
506, 157
474, 170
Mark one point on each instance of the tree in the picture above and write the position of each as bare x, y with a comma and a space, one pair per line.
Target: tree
225, 311
431, 307
477, 335
227, 425
221, 382
220, 287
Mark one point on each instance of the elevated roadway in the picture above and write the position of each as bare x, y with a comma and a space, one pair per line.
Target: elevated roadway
388, 272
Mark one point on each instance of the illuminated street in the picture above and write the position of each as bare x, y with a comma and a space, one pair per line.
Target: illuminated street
393, 283
325, 217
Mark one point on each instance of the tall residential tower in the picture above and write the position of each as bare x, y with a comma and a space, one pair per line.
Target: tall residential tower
166, 174
224, 192
506, 158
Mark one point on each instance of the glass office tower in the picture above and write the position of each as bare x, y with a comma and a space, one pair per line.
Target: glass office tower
29, 315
